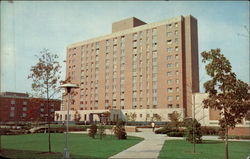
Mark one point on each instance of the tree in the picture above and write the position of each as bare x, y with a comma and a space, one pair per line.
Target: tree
175, 119
77, 116
45, 75
156, 117
92, 131
101, 131
193, 131
131, 116
227, 94
120, 131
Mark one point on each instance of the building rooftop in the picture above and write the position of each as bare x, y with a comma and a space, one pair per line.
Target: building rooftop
133, 25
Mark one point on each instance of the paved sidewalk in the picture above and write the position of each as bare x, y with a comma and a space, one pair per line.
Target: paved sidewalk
150, 147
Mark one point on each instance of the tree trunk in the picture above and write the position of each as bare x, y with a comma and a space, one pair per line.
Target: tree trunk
0, 142
48, 119
226, 142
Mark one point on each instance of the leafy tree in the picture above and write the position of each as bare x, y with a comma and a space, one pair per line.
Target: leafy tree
227, 94
193, 131
45, 75
248, 116
156, 117
77, 116
101, 131
93, 131
120, 131
131, 116
175, 119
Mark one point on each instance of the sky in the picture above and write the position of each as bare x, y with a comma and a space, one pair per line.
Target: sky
29, 26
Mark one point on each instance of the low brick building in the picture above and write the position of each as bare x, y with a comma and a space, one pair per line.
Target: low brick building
15, 107
210, 117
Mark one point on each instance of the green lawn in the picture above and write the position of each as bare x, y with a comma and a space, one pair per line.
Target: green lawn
77, 126
181, 149
80, 145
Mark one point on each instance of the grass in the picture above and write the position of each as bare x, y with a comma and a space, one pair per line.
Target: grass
80, 146
77, 126
181, 149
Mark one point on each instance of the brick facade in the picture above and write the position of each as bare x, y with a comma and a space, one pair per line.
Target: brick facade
20, 107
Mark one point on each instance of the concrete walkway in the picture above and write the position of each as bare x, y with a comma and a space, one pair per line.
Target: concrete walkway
150, 147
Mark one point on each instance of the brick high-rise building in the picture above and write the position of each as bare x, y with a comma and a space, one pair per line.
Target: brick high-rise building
140, 68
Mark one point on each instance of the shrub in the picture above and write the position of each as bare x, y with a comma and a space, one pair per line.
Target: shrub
207, 130
101, 131
237, 137
163, 130
193, 131
92, 131
176, 134
120, 131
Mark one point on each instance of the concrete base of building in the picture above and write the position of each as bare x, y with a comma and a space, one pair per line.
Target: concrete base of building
145, 115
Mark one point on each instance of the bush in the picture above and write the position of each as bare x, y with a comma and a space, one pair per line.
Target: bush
163, 130
120, 131
193, 131
92, 131
208, 130
101, 131
237, 137
176, 134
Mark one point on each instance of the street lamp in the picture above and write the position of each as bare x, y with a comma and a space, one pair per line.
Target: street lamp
68, 87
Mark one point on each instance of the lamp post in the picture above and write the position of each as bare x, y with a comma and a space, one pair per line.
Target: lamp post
68, 87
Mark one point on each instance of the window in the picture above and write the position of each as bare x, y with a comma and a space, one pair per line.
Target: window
12, 108
169, 73
24, 108
176, 56
169, 81
169, 26
176, 32
12, 114
170, 98
170, 49
177, 73
169, 65
170, 105
169, 57
170, 90
176, 24
154, 31
177, 81
176, 40
24, 114
169, 41
176, 64
177, 97
169, 34
13, 102
135, 36
154, 98
177, 89
176, 48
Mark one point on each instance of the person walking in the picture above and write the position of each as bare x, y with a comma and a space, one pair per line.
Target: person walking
153, 126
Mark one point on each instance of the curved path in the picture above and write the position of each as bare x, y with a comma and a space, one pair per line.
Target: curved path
150, 147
